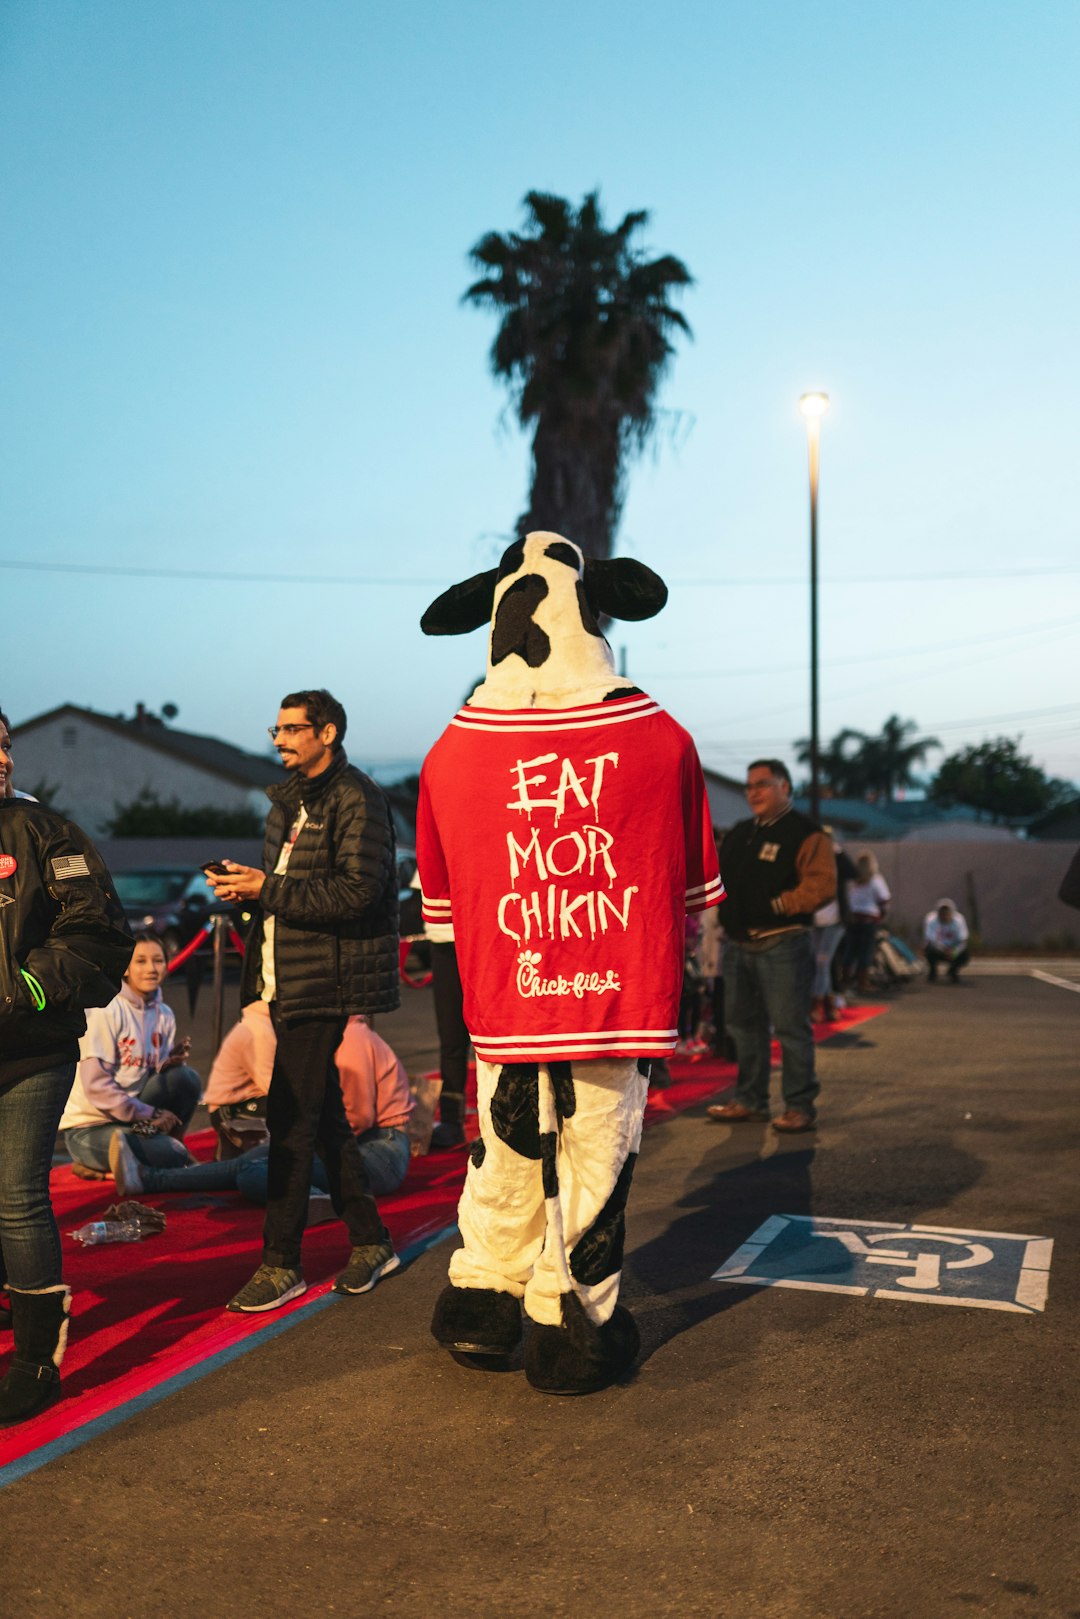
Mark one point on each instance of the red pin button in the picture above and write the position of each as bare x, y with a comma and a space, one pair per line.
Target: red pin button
8, 865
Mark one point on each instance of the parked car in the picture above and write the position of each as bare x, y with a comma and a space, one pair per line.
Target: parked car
171, 901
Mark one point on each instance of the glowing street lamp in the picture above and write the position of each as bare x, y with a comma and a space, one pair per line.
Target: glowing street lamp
813, 407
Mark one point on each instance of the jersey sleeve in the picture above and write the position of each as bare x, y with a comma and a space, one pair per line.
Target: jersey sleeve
703, 885
431, 865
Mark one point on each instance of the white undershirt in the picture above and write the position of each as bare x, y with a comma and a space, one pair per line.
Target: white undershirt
269, 975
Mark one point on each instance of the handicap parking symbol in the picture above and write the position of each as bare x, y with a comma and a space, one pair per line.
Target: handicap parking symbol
985, 1270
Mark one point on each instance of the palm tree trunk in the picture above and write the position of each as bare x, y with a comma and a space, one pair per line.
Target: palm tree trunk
574, 486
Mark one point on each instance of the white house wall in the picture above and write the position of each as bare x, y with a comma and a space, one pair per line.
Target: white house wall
94, 769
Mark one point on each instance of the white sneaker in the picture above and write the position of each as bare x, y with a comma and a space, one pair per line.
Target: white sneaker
126, 1169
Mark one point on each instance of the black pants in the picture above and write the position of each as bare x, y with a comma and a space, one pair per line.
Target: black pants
453, 1035
938, 958
305, 1111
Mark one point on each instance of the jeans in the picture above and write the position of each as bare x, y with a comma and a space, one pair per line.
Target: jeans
859, 944
825, 941
177, 1089
385, 1153
938, 958
30, 1112
764, 987
303, 1110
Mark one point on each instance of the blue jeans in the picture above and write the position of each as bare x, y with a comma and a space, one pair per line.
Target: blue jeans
772, 987
30, 1112
178, 1089
385, 1154
825, 941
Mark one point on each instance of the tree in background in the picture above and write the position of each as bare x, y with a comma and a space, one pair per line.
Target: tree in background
855, 765
583, 342
147, 817
996, 778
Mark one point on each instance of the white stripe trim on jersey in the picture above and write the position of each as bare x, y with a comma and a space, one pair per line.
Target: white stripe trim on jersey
539, 716
712, 887
628, 1048
435, 904
591, 1035
560, 725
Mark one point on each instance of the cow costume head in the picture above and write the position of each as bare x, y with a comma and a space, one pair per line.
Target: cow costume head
544, 602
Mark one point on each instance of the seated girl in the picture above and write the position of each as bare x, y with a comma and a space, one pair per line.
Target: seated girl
132, 1071
375, 1088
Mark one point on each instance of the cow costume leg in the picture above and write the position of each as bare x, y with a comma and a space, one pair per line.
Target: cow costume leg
562, 835
542, 1218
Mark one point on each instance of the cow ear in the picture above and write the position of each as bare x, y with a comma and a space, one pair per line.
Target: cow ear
463, 607
623, 588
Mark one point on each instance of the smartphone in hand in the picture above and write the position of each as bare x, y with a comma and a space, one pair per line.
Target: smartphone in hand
215, 868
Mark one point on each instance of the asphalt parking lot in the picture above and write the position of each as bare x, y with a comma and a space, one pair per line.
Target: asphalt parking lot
785, 1452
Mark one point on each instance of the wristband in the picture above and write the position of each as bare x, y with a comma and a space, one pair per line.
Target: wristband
37, 994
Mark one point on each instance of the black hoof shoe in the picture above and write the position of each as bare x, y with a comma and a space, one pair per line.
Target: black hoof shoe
561, 1361
477, 1321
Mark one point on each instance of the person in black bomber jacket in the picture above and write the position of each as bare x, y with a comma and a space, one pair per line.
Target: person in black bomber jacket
324, 946
65, 945
778, 869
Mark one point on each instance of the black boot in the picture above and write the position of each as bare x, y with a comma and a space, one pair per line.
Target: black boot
477, 1321
580, 1357
40, 1324
450, 1130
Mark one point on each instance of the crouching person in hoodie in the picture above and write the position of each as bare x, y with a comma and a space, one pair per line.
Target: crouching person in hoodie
64, 946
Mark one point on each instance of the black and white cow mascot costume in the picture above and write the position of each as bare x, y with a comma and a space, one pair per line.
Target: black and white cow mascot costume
563, 833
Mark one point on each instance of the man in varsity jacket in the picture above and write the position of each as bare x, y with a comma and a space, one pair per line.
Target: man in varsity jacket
777, 869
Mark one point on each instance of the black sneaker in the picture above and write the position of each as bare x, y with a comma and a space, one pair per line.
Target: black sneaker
365, 1267
269, 1288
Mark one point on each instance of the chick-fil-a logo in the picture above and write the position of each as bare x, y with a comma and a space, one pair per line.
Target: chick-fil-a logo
532, 984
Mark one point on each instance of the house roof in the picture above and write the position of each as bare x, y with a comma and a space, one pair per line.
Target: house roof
724, 781
208, 752
885, 820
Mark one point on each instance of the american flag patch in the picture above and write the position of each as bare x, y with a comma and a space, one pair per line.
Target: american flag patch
70, 865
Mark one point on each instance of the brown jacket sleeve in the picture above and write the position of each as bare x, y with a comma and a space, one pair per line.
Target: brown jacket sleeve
816, 865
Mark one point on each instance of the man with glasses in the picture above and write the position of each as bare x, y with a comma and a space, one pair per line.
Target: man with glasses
778, 869
323, 947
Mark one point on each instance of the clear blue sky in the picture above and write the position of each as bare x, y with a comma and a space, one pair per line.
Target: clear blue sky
235, 239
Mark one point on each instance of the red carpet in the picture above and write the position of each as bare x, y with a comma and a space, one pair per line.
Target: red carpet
144, 1314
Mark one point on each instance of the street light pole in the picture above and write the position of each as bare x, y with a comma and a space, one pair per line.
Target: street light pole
813, 407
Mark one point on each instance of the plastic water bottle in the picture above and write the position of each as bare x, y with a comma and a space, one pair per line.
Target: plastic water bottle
108, 1231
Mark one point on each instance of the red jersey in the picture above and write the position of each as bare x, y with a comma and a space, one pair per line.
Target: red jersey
563, 848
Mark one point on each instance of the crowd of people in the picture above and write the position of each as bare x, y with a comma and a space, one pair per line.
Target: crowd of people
311, 1107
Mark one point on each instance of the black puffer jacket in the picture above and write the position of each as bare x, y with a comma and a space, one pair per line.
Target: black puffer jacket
335, 909
60, 919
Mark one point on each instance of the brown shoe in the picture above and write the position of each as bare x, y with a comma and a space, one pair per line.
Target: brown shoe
735, 1113
85, 1173
793, 1122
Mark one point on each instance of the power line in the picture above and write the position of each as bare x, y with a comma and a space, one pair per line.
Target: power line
727, 581
865, 657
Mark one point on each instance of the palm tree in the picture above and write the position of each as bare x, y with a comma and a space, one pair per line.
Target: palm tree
583, 342
895, 753
855, 765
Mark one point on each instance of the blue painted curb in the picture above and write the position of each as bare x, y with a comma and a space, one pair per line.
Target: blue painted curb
172, 1385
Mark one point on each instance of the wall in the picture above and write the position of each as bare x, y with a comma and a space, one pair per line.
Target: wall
1009, 890
102, 769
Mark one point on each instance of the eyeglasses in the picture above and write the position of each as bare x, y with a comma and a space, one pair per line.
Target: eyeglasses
274, 731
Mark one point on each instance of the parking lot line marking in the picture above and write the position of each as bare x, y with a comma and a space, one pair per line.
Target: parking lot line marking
965, 1231
1039, 1253
1059, 983
945, 1298
1032, 1288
